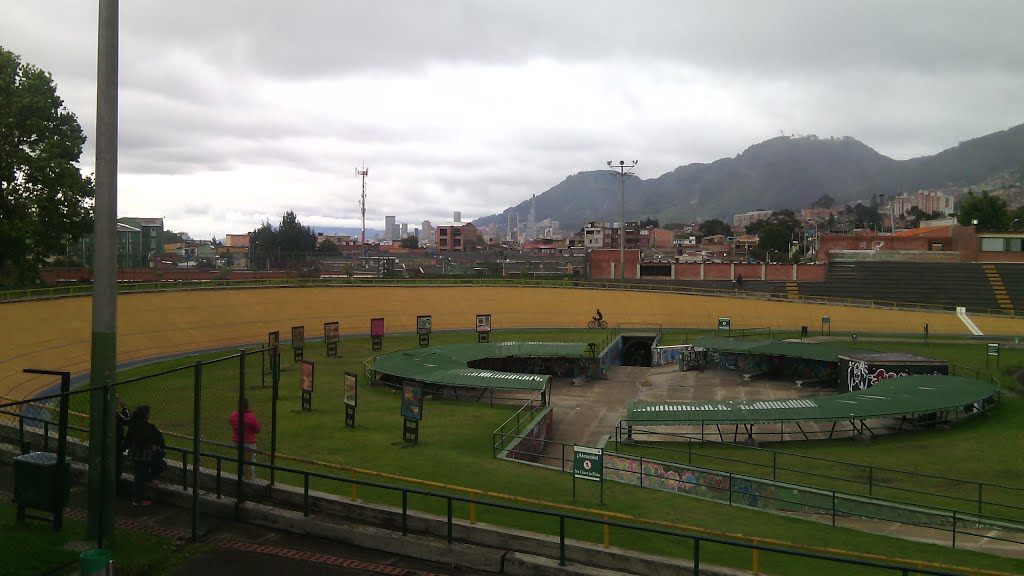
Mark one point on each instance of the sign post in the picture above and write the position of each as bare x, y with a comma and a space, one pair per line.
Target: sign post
377, 332
826, 325
926, 333
306, 385
332, 335
587, 464
412, 412
724, 324
992, 350
273, 342
298, 342
483, 328
423, 330
351, 390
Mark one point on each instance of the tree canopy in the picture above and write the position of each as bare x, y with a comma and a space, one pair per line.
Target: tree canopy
288, 244
713, 227
45, 200
412, 242
989, 211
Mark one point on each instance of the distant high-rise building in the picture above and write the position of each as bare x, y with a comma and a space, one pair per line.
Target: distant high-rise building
405, 231
389, 227
457, 217
425, 232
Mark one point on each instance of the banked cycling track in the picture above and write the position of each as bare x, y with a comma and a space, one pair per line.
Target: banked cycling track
55, 334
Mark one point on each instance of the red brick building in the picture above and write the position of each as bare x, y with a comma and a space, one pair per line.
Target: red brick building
456, 237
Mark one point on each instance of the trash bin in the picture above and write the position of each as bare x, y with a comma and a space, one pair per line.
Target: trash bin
35, 476
803, 331
95, 562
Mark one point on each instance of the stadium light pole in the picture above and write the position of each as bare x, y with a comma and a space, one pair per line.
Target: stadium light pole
623, 171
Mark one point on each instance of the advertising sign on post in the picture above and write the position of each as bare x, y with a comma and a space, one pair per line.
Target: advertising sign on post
423, 330
724, 324
306, 385
351, 389
587, 464
412, 411
298, 342
377, 332
332, 334
483, 328
826, 325
992, 350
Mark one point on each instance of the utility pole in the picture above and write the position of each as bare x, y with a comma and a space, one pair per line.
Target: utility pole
364, 172
623, 171
100, 518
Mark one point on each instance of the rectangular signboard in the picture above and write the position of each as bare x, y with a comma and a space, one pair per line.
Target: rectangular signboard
587, 463
724, 323
273, 339
351, 388
826, 320
377, 327
423, 324
412, 401
483, 322
298, 336
306, 376
993, 349
332, 331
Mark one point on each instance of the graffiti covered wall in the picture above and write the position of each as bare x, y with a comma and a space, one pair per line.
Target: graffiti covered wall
662, 355
860, 375
531, 444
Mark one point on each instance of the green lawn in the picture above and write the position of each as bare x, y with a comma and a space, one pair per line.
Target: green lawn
34, 548
455, 448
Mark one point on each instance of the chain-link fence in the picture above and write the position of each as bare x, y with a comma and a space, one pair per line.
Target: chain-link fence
215, 417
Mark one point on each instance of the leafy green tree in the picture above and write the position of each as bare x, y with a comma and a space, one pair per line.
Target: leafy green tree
292, 236
989, 211
45, 201
328, 246
288, 245
713, 227
174, 237
773, 239
653, 222
412, 242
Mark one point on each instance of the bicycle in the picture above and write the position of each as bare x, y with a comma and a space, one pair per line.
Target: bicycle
595, 323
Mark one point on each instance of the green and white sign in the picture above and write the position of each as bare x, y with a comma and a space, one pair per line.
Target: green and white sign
587, 463
724, 323
993, 349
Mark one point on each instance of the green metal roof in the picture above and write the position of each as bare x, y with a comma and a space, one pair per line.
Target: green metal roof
805, 350
447, 365
897, 396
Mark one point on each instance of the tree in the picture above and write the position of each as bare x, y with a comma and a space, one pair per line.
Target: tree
328, 246
412, 242
45, 201
825, 201
652, 222
288, 245
987, 210
773, 240
174, 237
713, 227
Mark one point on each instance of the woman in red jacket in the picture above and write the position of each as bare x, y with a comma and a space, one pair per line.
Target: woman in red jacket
250, 428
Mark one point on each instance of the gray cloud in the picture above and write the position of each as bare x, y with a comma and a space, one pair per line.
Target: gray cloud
234, 111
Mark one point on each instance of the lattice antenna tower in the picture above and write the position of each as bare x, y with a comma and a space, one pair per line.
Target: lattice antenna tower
364, 172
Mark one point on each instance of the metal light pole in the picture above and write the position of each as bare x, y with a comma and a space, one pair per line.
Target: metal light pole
623, 171
362, 202
100, 519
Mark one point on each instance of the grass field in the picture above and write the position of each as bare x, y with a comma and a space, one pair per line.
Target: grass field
455, 449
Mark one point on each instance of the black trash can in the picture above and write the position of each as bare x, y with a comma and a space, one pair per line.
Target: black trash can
803, 331
35, 476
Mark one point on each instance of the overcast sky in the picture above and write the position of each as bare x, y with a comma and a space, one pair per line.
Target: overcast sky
232, 111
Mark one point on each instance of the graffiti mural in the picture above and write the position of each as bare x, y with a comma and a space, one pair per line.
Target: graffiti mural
663, 355
693, 359
531, 445
861, 376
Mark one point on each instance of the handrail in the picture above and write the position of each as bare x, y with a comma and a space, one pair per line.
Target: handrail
576, 513
174, 285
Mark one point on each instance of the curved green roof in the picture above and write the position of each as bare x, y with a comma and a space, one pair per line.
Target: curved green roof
897, 396
448, 365
825, 352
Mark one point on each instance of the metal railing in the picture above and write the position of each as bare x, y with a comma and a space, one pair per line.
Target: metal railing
176, 285
736, 489
869, 480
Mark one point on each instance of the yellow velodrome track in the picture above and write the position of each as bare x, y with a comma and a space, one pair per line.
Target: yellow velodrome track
56, 334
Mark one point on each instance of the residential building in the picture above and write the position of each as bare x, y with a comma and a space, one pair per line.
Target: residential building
236, 240
147, 250
748, 218
426, 233
929, 202
456, 237
389, 227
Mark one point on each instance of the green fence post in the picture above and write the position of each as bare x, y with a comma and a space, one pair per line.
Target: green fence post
870, 480
774, 454
833, 508
196, 431
979, 497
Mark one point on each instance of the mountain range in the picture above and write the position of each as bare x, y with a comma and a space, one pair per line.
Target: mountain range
783, 172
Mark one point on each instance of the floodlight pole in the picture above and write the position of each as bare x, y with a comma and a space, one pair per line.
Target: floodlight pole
623, 170
100, 517
364, 172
